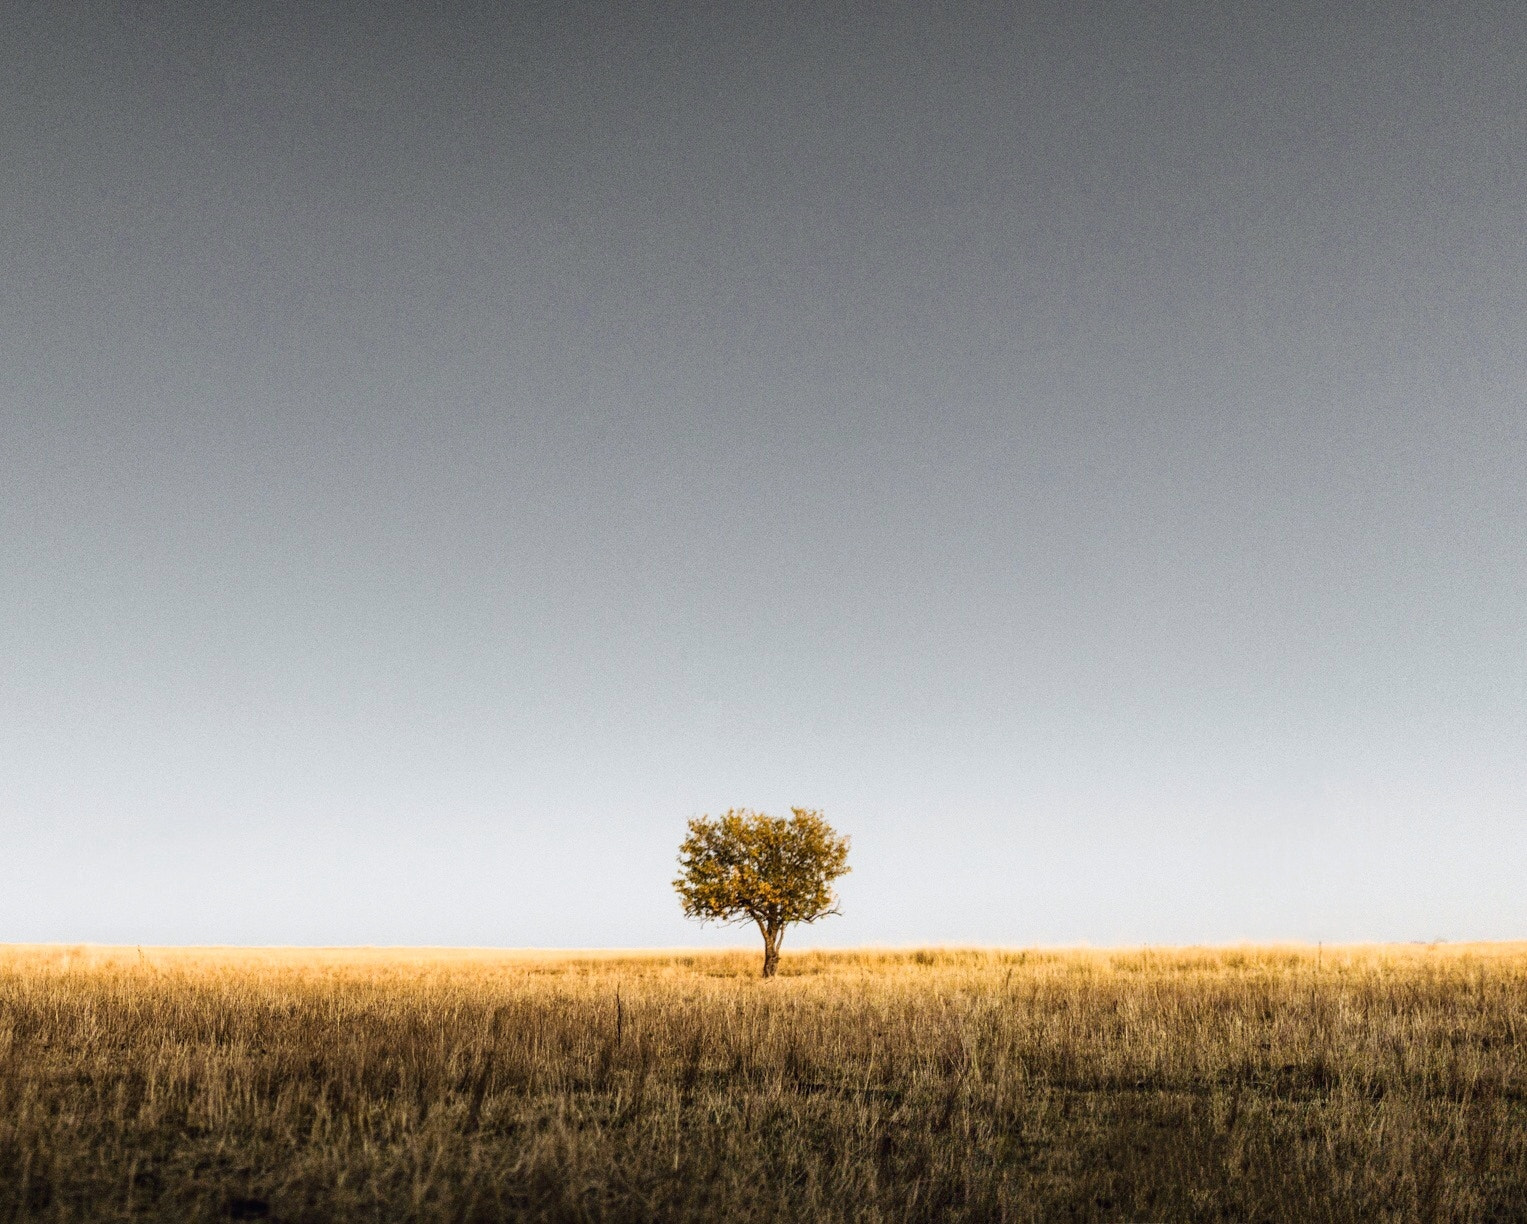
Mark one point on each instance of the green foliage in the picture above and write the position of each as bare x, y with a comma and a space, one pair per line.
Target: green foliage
745, 866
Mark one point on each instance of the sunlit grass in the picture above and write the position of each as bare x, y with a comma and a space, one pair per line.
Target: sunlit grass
314, 1084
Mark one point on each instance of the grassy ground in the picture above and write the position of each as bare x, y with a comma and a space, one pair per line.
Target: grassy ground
1257, 1084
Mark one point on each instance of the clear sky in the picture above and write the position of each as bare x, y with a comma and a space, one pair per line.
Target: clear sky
1079, 447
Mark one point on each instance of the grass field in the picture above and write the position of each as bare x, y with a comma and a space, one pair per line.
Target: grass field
1253, 1084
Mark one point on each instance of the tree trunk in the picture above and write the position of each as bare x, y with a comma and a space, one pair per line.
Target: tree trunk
771, 950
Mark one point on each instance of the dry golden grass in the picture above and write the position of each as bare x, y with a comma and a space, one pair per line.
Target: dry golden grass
1251, 1084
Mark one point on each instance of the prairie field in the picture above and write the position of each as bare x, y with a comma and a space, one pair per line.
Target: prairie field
1259, 1083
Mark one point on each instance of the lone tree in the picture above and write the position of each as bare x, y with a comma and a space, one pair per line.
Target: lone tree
745, 866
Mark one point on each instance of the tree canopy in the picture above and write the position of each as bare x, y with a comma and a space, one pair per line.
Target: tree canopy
746, 866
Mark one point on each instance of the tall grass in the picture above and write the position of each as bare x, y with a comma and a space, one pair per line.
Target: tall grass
1250, 1084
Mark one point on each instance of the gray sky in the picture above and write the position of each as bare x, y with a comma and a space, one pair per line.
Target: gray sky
1079, 447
